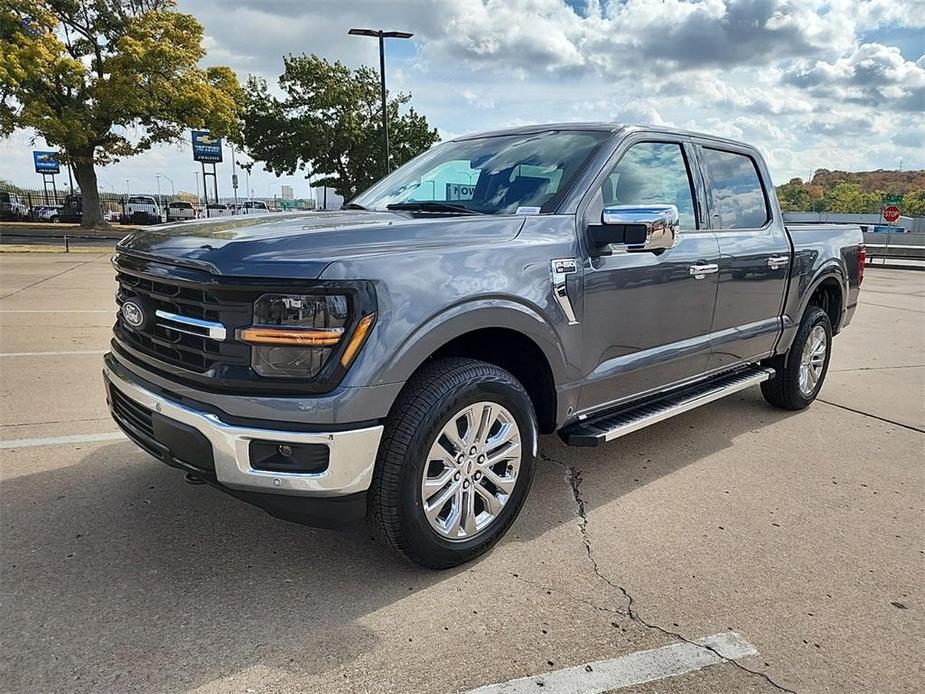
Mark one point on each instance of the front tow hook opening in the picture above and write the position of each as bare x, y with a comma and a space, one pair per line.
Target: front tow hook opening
192, 478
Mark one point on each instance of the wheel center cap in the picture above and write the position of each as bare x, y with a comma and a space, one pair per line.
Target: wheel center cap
469, 466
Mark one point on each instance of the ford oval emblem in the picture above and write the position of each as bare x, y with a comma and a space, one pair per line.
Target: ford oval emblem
132, 314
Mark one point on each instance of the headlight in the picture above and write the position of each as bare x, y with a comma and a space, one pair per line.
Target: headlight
294, 335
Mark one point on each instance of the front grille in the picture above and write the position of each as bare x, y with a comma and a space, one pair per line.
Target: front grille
131, 415
161, 340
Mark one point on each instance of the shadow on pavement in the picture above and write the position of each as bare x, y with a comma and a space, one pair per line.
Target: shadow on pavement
118, 575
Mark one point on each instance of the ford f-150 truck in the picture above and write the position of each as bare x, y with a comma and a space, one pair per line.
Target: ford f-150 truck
398, 359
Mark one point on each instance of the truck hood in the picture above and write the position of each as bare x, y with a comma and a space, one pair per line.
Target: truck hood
301, 245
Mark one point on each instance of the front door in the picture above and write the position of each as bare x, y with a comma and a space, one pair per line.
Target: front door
754, 256
646, 315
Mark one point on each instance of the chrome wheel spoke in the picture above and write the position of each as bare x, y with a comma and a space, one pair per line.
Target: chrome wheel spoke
469, 512
504, 484
493, 504
433, 509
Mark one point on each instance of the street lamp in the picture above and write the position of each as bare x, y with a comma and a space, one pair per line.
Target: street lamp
381, 35
173, 189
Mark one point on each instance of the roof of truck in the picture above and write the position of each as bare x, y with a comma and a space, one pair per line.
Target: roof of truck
600, 127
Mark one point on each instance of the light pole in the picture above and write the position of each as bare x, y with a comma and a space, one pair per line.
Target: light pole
173, 189
382, 35
128, 187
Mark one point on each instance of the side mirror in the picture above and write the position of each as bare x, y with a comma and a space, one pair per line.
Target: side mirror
638, 227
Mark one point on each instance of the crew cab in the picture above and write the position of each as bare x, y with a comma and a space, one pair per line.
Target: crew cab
399, 358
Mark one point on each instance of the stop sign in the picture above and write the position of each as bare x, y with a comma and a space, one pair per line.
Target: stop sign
891, 214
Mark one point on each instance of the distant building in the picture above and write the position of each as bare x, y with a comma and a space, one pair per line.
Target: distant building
327, 199
287, 193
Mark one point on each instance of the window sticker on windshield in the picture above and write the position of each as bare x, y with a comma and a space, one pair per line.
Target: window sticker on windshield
527, 210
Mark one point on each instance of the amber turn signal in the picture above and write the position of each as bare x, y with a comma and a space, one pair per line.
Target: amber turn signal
359, 336
315, 337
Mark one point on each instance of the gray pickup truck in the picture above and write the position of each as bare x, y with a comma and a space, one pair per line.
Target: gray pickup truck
398, 359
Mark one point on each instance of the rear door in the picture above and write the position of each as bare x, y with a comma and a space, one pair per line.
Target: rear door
647, 315
755, 254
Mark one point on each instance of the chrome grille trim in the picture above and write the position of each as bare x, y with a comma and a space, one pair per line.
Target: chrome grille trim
191, 326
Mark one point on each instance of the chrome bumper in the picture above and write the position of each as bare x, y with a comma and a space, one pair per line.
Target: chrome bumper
350, 466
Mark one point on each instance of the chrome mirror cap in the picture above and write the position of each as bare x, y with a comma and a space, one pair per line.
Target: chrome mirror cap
656, 226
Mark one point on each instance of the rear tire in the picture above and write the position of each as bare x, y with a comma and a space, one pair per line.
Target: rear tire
802, 369
481, 404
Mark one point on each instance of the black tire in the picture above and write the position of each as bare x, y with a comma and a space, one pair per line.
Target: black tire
784, 389
439, 390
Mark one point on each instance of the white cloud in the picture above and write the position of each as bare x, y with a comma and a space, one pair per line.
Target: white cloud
794, 77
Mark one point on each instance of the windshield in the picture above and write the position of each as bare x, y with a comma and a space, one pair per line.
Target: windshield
509, 174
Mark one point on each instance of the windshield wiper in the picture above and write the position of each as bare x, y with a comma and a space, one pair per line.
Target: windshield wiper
432, 206
352, 206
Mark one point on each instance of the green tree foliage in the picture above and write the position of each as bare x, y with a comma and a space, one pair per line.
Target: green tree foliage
861, 192
329, 122
103, 79
914, 203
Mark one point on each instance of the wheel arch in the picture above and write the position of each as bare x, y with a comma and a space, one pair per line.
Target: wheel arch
510, 335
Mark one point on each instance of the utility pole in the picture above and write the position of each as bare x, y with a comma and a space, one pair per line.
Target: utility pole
382, 35
234, 180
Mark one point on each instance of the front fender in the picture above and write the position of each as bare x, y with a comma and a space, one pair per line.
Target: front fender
467, 317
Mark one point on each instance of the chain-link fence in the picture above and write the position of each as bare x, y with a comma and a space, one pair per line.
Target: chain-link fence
54, 205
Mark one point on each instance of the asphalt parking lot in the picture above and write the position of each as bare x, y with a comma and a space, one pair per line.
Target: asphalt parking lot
800, 533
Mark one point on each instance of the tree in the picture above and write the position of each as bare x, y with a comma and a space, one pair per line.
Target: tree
103, 79
914, 204
329, 122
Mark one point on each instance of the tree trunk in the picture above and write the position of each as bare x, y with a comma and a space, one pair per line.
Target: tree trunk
86, 179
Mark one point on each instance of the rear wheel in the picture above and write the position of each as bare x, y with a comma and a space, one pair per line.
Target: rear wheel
455, 463
802, 369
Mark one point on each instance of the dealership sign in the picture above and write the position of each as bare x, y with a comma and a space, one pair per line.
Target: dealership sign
206, 148
46, 162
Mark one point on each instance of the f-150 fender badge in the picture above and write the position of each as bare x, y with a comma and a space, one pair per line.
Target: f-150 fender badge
560, 269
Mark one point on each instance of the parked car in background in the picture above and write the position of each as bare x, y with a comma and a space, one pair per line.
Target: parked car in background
178, 211
398, 359
13, 207
72, 211
45, 213
218, 209
142, 209
254, 207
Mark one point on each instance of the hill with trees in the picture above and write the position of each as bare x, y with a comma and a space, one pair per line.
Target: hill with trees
855, 192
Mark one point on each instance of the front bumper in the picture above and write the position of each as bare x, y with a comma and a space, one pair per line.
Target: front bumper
195, 436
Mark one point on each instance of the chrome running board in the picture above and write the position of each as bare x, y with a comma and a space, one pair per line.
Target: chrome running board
615, 423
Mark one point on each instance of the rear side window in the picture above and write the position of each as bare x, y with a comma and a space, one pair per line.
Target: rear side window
736, 194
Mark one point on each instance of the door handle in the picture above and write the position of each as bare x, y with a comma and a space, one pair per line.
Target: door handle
701, 271
778, 261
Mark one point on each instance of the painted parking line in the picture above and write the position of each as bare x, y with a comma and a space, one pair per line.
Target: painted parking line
52, 354
629, 670
60, 440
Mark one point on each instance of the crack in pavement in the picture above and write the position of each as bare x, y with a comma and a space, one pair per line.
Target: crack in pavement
877, 368
873, 416
574, 479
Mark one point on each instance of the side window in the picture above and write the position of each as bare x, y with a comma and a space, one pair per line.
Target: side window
736, 195
652, 173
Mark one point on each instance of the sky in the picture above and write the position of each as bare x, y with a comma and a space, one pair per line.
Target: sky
835, 84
